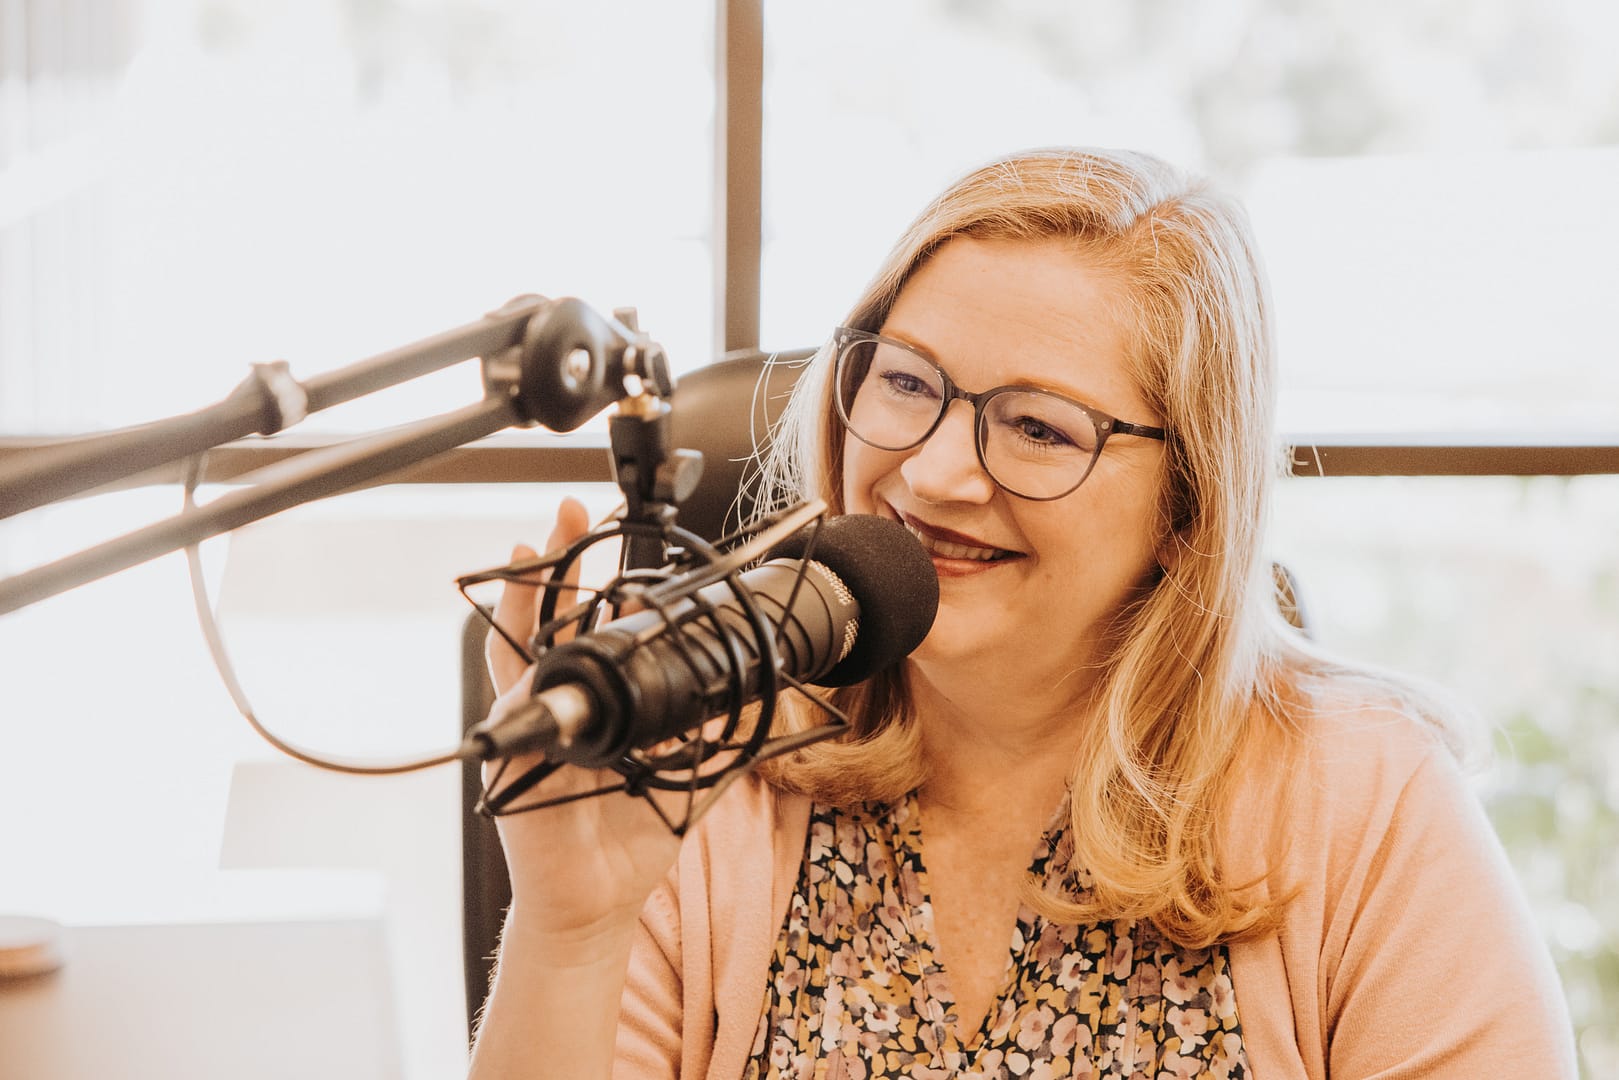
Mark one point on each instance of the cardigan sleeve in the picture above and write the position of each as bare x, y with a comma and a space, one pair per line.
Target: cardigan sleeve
1433, 965
694, 991
649, 1023
1405, 947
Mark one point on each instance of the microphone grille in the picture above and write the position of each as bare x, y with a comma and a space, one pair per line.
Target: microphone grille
851, 634
851, 629
836, 583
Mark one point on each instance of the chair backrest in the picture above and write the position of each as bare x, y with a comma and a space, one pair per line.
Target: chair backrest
486, 890
724, 410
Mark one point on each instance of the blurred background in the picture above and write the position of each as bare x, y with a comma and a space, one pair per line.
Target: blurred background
188, 187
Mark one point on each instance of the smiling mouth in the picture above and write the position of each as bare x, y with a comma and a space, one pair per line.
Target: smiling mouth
945, 549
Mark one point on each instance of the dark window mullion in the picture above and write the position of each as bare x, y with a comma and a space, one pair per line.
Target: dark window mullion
738, 171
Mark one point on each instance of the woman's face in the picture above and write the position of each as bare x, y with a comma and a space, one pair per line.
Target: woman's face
1024, 586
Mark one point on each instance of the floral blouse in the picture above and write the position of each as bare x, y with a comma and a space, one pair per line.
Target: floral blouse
857, 991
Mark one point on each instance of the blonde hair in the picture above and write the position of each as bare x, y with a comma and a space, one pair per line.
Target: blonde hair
1201, 661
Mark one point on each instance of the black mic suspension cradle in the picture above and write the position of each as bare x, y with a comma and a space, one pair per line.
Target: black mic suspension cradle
700, 763
661, 565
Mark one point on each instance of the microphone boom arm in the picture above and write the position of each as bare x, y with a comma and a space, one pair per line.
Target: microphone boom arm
266, 402
550, 362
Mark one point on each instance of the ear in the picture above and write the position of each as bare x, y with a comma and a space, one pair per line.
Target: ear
1168, 551
1175, 523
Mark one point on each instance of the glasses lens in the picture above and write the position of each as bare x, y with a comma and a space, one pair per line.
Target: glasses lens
1037, 445
888, 395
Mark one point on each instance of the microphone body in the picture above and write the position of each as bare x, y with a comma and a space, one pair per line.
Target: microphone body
650, 676
641, 679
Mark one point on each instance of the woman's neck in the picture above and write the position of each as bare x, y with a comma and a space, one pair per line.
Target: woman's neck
994, 747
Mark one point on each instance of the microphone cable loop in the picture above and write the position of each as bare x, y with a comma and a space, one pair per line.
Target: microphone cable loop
217, 651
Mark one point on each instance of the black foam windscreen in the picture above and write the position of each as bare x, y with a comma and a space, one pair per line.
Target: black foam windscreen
891, 578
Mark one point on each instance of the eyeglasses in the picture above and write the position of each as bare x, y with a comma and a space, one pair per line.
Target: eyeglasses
1032, 442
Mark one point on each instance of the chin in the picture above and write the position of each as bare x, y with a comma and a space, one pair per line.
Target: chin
958, 643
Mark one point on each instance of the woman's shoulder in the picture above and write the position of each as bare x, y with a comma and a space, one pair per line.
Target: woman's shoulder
1376, 731
1351, 765
1343, 733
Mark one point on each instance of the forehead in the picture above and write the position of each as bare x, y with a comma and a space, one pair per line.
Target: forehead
1044, 312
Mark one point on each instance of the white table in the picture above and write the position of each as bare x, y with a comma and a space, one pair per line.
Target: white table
221, 1000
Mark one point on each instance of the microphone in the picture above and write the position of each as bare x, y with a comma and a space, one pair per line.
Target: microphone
863, 600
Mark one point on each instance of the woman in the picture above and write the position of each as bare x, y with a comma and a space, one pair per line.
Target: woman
1113, 817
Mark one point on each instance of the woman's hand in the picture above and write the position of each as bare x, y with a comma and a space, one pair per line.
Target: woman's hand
517, 610
585, 867
580, 873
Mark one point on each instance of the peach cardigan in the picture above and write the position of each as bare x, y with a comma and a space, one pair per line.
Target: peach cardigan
1407, 950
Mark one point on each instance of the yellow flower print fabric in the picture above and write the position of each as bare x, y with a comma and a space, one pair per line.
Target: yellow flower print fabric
856, 992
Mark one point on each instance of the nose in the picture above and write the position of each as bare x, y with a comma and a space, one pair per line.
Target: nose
946, 468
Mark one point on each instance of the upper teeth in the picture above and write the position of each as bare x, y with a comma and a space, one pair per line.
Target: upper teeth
946, 550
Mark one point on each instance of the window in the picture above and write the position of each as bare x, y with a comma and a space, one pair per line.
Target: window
210, 184
1430, 182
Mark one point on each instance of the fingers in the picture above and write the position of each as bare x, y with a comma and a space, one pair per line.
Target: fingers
572, 523
517, 610
514, 613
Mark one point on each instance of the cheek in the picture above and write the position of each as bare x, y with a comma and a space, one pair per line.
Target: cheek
862, 468
1109, 540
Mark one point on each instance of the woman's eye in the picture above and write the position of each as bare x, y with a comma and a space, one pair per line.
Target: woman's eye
1038, 431
904, 383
